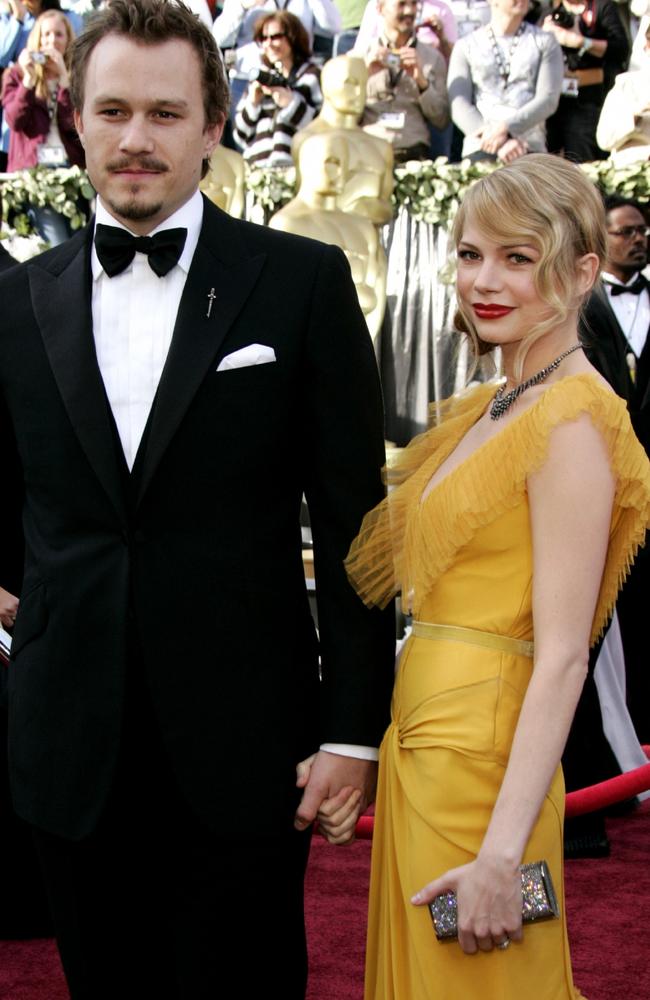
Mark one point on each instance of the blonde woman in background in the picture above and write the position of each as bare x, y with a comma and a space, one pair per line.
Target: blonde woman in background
37, 107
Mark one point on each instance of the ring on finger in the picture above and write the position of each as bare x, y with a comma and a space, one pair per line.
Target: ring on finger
502, 945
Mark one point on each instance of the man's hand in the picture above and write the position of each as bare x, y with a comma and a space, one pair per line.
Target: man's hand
8, 608
493, 136
375, 58
512, 150
337, 790
412, 66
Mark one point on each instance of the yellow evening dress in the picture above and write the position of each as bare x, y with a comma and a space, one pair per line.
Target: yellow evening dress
463, 557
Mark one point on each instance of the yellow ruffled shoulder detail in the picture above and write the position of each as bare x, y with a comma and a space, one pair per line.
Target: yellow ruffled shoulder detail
406, 545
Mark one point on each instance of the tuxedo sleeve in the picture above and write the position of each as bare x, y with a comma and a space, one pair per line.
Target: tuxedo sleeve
344, 449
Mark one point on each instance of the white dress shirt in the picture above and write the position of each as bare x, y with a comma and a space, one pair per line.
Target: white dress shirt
133, 321
134, 315
631, 311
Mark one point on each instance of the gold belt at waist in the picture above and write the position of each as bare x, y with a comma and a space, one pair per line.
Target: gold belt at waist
473, 636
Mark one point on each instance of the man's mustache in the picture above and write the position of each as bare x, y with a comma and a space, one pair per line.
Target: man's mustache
144, 163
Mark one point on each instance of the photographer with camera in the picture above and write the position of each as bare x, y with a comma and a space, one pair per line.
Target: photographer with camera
406, 84
595, 49
37, 106
282, 97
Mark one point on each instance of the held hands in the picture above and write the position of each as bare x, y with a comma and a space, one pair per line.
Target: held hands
489, 902
337, 790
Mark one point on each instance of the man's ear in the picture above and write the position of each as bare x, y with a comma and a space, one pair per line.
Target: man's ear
212, 135
78, 124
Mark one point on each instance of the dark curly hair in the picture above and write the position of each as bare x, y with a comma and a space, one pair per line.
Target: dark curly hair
293, 28
151, 22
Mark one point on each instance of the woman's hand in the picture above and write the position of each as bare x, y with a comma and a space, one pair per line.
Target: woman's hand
28, 66
8, 608
568, 38
256, 93
489, 903
338, 815
56, 67
281, 96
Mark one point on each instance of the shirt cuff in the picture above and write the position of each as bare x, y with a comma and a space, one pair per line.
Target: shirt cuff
351, 750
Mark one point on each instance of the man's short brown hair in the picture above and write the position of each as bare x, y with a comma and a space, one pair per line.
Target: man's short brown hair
151, 22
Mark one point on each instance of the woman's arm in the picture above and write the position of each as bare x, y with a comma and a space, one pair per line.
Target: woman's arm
460, 87
548, 88
21, 106
570, 500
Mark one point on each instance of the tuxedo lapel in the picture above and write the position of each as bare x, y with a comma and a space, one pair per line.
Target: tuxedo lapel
220, 268
61, 300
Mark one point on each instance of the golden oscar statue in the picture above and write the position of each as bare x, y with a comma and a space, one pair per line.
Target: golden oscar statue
314, 212
369, 185
224, 182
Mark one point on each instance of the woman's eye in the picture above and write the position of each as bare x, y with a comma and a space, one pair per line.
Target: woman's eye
468, 255
520, 258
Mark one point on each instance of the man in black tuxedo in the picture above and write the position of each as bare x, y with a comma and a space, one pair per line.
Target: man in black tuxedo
614, 330
170, 398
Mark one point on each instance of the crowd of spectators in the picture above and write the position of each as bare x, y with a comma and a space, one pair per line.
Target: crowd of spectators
514, 76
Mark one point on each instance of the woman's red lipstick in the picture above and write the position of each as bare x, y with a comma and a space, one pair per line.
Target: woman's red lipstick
495, 311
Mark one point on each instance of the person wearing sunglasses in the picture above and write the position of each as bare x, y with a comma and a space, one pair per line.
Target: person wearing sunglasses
282, 97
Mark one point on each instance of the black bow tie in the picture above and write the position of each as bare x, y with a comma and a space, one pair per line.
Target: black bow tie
634, 289
116, 249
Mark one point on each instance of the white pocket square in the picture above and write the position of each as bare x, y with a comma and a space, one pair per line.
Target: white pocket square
253, 354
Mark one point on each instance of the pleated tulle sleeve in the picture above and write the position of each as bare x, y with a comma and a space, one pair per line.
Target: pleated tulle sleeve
406, 545
376, 561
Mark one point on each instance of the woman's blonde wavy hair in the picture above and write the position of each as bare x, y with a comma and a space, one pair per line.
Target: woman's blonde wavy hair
34, 42
549, 203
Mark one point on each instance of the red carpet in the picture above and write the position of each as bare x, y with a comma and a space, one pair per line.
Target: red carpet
607, 911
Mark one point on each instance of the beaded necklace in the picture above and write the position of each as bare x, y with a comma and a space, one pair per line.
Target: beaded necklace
503, 400
504, 67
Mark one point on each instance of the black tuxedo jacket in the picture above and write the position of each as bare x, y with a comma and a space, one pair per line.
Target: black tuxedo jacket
195, 558
606, 348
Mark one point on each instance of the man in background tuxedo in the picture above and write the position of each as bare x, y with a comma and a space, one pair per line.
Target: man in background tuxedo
614, 330
174, 381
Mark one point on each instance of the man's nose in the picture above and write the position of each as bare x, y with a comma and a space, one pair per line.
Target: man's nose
136, 136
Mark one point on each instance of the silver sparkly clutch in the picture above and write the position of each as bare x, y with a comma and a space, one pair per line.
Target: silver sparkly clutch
538, 901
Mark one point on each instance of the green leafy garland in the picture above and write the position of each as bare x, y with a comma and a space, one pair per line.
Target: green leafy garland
430, 190
59, 188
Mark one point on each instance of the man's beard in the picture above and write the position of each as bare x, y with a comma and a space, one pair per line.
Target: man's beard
134, 210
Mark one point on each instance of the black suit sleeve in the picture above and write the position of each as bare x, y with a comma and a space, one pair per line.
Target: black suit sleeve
343, 439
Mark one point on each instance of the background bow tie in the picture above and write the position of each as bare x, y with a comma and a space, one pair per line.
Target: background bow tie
116, 249
634, 289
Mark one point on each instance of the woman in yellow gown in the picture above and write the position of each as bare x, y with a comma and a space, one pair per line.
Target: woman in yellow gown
509, 531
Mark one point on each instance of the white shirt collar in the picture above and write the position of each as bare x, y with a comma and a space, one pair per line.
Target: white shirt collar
189, 216
612, 280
